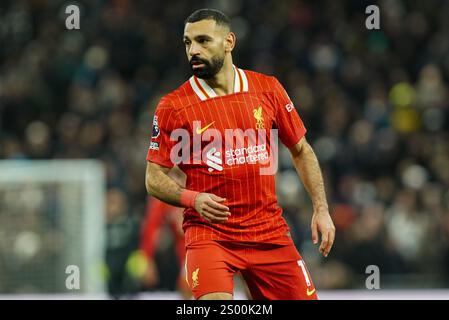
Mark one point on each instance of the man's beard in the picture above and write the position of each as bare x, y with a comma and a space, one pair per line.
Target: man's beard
209, 70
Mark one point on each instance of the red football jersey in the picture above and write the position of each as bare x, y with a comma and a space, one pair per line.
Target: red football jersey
224, 145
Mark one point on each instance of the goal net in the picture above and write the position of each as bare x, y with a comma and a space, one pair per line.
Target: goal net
51, 226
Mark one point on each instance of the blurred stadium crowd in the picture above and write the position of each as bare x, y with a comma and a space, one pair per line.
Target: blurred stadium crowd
375, 104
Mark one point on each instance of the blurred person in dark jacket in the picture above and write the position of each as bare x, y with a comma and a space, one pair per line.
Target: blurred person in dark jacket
122, 239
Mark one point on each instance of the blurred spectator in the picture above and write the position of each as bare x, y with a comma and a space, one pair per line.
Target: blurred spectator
159, 214
122, 240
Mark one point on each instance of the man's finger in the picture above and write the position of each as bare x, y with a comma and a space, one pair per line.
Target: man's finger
216, 205
217, 213
217, 198
324, 242
314, 233
331, 238
205, 215
212, 218
217, 220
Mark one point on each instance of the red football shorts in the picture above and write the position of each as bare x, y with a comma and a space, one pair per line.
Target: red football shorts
274, 272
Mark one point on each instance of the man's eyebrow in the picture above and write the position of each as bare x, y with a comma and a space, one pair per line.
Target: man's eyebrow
203, 36
200, 36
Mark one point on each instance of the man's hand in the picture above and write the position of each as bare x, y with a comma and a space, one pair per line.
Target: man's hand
308, 168
322, 222
209, 207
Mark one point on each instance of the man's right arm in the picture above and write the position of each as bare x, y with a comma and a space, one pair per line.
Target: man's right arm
161, 186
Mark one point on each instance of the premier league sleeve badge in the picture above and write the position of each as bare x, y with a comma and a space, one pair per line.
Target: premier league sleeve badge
155, 131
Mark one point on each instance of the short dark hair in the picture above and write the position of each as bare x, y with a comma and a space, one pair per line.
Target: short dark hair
209, 14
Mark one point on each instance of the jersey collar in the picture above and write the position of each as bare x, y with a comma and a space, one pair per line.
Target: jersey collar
204, 91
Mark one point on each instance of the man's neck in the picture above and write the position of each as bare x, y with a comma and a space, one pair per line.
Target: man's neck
223, 82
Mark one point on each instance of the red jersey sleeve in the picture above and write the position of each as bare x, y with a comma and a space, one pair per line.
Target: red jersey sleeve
288, 122
165, 120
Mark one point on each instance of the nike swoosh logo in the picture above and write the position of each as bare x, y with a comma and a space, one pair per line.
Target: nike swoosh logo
201, 130
310, 292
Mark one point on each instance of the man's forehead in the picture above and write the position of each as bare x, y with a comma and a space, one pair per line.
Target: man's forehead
202, 27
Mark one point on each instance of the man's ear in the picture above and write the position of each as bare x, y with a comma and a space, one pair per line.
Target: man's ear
230, 41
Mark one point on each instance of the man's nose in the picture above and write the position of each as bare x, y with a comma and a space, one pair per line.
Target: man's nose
193, 50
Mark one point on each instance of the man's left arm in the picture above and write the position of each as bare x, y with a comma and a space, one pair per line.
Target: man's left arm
308, 168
